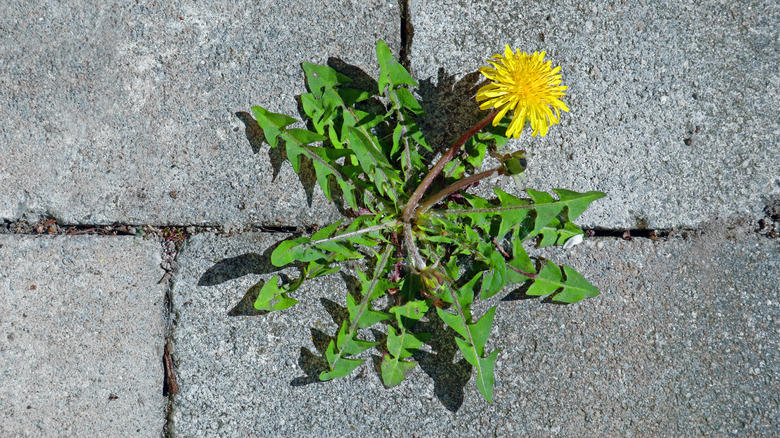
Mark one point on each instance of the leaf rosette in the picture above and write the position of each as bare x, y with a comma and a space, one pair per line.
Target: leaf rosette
425, 242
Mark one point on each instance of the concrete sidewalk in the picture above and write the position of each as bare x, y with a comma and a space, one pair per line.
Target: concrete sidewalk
138, 114
82, 327
683, 341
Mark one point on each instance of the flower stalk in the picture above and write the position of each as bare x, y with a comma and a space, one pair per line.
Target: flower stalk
456, 187
414, 200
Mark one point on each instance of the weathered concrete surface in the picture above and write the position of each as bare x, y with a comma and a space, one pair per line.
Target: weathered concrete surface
81, 335
683, 341
117, 111
673, 103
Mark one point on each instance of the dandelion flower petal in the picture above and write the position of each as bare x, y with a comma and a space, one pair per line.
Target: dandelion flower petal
528, 86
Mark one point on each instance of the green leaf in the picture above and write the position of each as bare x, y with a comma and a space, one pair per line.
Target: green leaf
404, 344
411, 312
407, 100
304, 136
391, 72
484, 366
295, 249
320, 77
547, 208
366, 317
495, 279
480, 331
373, 162
548, 282
271, 297
511, 211
485, 375
521, 262
455, 322
573, 288
555, 233
577, 202
340, 367
272, 124
394, 370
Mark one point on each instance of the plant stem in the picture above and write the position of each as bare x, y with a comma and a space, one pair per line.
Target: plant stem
414, 200
417, 260
455, 187
357, 233
527, 274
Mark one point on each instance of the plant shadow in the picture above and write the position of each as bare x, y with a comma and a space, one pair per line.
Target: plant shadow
449, 377
450, 108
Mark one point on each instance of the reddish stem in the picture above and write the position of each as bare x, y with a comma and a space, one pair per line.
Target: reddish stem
414, 200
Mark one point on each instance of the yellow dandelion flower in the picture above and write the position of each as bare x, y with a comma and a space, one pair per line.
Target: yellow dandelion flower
526, 84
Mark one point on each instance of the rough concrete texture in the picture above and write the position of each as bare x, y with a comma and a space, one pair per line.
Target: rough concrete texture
81, 334
126, 112
673, 103
683, 341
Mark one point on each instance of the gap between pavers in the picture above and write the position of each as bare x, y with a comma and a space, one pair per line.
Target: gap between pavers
681, 342
81, 336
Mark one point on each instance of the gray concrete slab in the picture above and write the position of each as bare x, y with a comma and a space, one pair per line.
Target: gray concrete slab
127, 112
673, 103
683, 341
81, 335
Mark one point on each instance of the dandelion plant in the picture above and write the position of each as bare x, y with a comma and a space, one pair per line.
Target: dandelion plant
431, 248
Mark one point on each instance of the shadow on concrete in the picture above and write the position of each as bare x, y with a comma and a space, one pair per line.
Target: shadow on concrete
449, 377
450, 108
239, 266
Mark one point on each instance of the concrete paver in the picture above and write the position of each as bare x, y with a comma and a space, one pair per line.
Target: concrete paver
127, 112
673, 103
682, 342
81, 335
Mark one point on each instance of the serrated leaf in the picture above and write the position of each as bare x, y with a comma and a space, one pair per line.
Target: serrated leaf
404, 343
480, 331
368, 316
484, 366
304, 136
391, 72
495, 279
348, 344
394, 370
513, 211
577, 202
555, 234
320, 77
546, 208
411, 312
296, 249
485, 375
319, 270
548, 282
407, 100
327, 231
453, 321
575, 288
521, 262
356, 346
272, 124
373, 162
340, 366
271, 297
